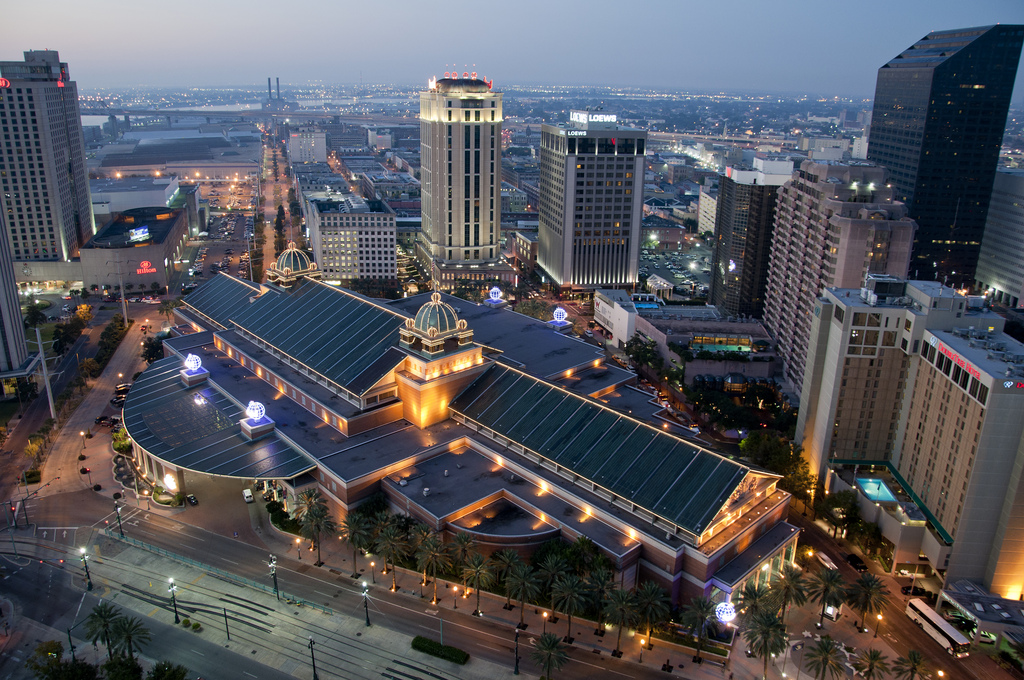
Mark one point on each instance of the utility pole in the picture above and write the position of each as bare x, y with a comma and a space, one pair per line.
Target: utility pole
273, 572
46, 375
313, 658
117, 508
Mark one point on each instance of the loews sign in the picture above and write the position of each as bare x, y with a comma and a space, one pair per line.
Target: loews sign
585, 117
146, 267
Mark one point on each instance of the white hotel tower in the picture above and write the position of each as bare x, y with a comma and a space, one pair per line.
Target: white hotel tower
460, 143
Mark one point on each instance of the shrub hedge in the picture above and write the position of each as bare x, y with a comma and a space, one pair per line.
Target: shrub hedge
446, 652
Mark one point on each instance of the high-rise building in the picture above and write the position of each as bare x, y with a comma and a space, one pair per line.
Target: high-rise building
307, 145
14, 359
45, 187
744, 221
460, 146
937, 125
835, 223
591, 202
1000, 273
352, 238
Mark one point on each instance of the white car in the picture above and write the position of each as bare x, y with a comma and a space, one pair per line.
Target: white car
247, 495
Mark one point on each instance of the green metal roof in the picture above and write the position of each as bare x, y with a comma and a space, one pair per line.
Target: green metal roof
670, 477
331, 331
220, 297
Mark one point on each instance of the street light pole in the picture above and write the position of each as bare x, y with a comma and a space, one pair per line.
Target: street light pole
174, 603
877, 625
85, 563
273, 572
117, 509
373, 571
516, 670
366, 605
643, 643
312, 658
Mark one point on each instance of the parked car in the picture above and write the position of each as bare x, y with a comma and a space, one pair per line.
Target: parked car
916, 591
191, 498
101, 419
987, 638
247, 495
117, 401
856, 562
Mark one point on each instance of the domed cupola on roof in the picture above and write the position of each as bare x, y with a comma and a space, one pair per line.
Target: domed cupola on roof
291, 266
436, 329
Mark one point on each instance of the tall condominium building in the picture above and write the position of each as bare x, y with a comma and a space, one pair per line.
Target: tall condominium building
460, 145
835, 223
352, 238
914, 401
744, 221
45, 188
937, 125
591, 202
1000, 272
307, 145
14, 359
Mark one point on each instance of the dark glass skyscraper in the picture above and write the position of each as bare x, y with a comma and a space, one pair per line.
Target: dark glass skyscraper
939, 115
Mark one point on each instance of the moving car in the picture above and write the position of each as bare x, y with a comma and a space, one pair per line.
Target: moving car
117, 401
856, 562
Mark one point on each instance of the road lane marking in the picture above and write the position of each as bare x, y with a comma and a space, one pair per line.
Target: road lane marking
196, 652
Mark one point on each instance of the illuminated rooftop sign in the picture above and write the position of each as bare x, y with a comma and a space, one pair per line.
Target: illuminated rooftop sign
587, 117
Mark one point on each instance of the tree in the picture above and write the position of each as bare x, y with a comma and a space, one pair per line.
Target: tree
766, 636
652, 605
355, 529
601, 584
122, 668
432, 557
165, 670
46, 660
699, 618
828, 589
825, 658
781, 457
418, 535
504, 561
89, 368
752, 599
477, 573
315, 523
99, 623
570, 593
522, 584
84, 313
792, 586
549, 654
461, 548
34, 316
872, 664
910, 667
152, 350
643, 352
392, 545
551, 567
129, 635
537, 309
167, 307
620, 608
867, 595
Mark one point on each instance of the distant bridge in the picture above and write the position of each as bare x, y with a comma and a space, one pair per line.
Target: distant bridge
253, 114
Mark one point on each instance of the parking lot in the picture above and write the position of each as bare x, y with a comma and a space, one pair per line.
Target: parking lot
689, 269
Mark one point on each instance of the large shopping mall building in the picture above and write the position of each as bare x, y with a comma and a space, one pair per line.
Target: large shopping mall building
468, 417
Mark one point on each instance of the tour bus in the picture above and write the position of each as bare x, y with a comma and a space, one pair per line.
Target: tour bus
941, 630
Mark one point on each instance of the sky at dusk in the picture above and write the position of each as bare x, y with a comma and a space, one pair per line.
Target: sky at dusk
793, 46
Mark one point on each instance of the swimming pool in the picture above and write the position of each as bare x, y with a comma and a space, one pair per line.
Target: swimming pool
645, 305
876, 490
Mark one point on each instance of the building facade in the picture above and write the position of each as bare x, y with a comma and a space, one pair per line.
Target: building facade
14, 358
591, 202
307, 145
835, 223
44, 186
352, 238
744, 223
937, 125
460, 150
1000, 274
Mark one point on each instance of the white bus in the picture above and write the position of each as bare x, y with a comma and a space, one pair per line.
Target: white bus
941, 630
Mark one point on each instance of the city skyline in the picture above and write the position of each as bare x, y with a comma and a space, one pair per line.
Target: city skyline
768, 52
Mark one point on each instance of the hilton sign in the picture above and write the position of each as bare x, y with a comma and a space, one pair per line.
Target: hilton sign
146, 267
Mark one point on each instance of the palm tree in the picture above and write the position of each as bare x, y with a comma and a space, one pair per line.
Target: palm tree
825, 657
391, 544
792, 586
167, 308
550, 568
129, 635
418, 535
356, 530
462, 546
601, 584
316, 522
504, 561
910, 667
752, 599
583, 553
433, 557
872, 664
549, 654
306, 501
699, 617
1017, 648
652, 605
620, 607
478, 574
100, 622
867, 595
522, 584
827, 588
570, 593
766, 636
